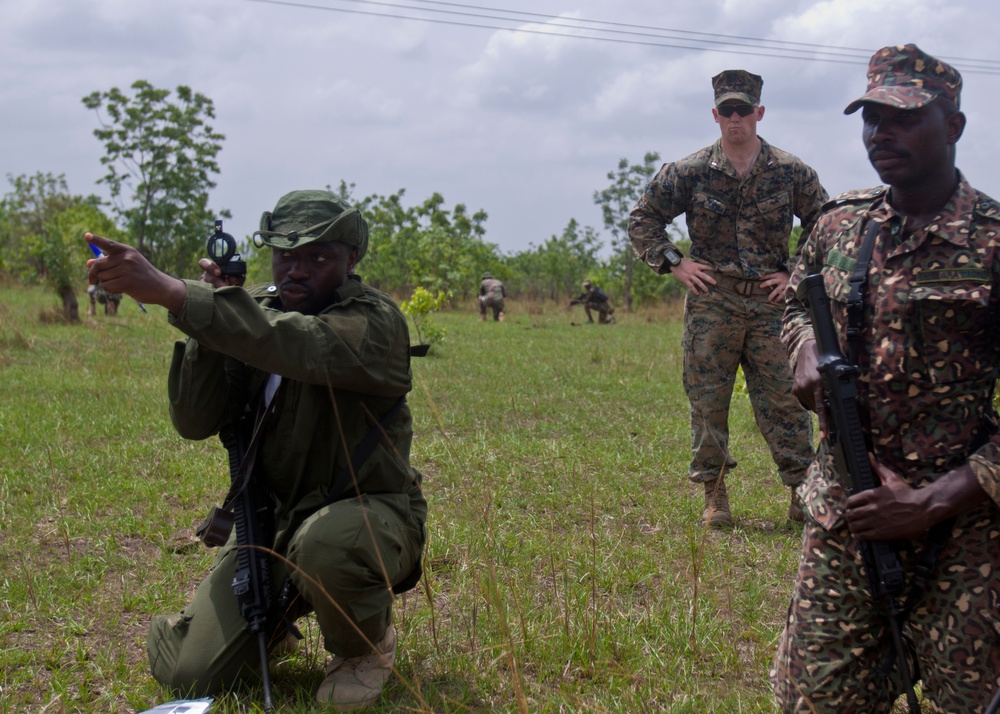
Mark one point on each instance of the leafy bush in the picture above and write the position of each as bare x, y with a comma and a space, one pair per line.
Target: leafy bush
420, 308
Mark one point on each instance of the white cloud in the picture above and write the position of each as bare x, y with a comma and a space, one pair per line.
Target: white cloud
523, 125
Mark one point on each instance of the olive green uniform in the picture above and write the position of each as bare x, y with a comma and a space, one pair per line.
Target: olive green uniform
342, 370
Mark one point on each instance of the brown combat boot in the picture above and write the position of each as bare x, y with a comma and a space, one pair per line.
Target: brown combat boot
355, 683
795, 512
716, 513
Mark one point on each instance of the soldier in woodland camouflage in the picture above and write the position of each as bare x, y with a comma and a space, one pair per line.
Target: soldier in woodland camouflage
739, 196
594, 299
928, 354
491, 295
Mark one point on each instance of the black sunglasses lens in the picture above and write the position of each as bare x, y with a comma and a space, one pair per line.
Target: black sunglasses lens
744, 110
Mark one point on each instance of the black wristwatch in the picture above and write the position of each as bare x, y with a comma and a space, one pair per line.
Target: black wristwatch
672, 256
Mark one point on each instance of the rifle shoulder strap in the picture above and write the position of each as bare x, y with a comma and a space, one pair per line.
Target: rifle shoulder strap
267, 404
362, 451
857, 281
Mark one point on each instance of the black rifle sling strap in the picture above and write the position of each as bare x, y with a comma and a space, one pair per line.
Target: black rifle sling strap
347, 474
362, 451
359, 456
855, 299
265, 409
217, 527
939, 534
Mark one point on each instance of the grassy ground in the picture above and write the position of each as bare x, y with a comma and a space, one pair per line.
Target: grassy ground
566, 569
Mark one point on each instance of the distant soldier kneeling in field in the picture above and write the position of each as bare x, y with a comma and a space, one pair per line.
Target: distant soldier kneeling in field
491, 295
593, 298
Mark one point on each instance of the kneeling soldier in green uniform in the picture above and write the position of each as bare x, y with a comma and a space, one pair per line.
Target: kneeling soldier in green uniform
329, 357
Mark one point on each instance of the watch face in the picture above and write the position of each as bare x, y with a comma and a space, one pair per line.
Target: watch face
672, 257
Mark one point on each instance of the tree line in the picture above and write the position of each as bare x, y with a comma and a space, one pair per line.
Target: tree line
160, 150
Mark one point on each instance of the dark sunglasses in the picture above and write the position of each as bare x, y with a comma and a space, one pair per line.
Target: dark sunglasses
744, 110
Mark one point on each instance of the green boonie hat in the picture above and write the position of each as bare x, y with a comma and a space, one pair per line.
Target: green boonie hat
737, 84
303, 217
906, 77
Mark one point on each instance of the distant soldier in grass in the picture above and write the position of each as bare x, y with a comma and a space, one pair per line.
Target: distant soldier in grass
327, 359
739, 197
912, 272
491, 295
99, 296
593, 298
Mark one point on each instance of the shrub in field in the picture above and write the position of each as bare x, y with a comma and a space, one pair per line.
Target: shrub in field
420, 308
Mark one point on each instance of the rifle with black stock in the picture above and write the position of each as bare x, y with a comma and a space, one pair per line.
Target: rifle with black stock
248, 506
253, 520
846, 437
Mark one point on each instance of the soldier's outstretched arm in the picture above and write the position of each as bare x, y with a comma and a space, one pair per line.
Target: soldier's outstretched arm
123, 269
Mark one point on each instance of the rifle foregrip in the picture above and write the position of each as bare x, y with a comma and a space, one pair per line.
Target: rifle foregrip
815, 298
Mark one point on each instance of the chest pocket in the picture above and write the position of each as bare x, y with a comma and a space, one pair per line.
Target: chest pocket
773, 203
706, 214
955, 329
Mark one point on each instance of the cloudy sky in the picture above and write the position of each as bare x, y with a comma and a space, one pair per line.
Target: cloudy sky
523, 124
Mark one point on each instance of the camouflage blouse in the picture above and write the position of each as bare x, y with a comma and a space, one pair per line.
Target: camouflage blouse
929, 353
738, 226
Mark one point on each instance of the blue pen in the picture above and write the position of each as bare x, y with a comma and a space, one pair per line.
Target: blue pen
100, 254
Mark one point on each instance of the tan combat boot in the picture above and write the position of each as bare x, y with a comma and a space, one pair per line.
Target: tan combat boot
354, 683
795, 512
716, 513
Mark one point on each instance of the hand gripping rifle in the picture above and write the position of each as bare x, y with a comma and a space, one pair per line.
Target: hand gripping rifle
850, 455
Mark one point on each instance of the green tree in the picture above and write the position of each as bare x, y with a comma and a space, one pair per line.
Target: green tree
426, 245
43, 234
616, 201
556, 268
160, 155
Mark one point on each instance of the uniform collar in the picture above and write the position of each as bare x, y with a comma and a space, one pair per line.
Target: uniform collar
952, 223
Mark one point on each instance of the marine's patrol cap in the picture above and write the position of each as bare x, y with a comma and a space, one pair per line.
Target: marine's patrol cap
737, 84
303, 217
906, 77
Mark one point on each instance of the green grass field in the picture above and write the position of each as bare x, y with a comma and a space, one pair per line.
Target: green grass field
566, 570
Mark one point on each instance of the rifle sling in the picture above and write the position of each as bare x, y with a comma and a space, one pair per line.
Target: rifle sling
855, 299
362, 451
241, 479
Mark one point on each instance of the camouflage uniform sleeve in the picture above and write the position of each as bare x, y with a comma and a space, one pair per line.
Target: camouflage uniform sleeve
796, 326
663, 199
985, 464
812, 197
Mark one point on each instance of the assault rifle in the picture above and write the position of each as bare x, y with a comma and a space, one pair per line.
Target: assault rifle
248, 507
850, 455
253, 517
251, 512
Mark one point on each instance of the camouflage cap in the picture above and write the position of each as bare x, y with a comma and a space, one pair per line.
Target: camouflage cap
487, 275
737, 84
303, 217
906, 77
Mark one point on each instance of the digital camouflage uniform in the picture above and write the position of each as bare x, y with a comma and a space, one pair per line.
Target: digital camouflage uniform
741, 228
929, 357
491, 295
342, 370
